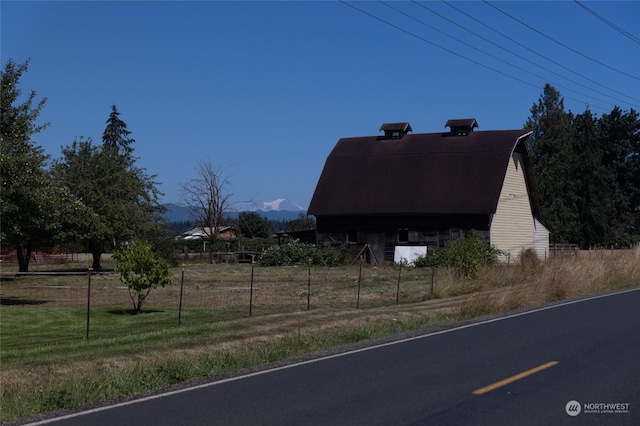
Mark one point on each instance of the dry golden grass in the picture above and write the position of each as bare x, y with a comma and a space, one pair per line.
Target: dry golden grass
523, 285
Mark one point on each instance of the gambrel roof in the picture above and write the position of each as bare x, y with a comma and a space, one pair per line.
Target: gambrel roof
425, 173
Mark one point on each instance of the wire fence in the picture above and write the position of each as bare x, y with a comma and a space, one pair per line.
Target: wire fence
50, 307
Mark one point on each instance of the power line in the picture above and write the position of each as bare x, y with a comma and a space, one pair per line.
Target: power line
517, 56
609, 23
434, 44
540, 55
452, 51
486, 53
560, 43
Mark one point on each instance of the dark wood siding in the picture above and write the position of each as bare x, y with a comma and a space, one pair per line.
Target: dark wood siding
414, 230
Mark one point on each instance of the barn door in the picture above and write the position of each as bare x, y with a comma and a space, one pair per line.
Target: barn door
376, 243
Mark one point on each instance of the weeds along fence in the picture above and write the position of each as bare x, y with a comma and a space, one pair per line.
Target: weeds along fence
49, 307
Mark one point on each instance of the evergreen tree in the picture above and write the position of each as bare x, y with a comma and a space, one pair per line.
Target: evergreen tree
115, 138
619, 136
594, 184
551, 155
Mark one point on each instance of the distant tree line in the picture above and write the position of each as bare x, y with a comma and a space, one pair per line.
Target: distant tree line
587, 170
250, 225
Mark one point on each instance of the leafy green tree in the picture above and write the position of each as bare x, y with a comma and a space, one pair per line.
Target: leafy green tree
302, 223
28, 200
123, 198
252, 225
551, 156
141, 270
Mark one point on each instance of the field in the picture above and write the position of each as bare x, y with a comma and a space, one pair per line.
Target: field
229, 320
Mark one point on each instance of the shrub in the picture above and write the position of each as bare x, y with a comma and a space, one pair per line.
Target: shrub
466, 253
432, 259
141, 270
297, 253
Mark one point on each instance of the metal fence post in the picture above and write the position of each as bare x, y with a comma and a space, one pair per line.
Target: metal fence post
359, 284
181, 290
251, 293
88, 300
309, 286
433, 272
398, 290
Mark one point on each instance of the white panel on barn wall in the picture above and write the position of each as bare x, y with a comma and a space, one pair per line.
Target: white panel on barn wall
408, 254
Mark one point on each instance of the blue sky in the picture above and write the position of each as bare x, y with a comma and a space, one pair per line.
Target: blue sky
267, 88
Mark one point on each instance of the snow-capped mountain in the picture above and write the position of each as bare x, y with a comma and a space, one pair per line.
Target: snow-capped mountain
275, 205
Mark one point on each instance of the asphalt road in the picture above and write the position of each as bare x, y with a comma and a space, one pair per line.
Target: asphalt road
524, 370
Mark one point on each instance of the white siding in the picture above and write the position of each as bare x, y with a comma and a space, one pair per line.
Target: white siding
511, 226
540, 239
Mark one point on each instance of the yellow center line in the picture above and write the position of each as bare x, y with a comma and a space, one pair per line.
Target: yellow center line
512, 379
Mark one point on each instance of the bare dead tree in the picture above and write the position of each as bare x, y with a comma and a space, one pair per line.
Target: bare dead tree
207, 196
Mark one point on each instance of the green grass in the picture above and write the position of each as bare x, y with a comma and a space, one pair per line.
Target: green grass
27, 334
107, 384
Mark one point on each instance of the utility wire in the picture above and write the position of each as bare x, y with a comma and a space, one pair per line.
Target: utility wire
517, 56
609, 23
491, 55
454, 52
538, 54
559, 43
433, 44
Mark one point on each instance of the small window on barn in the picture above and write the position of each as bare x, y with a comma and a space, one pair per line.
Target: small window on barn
454, 234
429, 238
403, 235
352, 236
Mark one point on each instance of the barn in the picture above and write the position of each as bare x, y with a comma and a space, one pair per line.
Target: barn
400, 191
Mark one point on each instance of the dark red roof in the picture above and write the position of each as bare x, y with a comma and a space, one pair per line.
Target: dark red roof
428, 173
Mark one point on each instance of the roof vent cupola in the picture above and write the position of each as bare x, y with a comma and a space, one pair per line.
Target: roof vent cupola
395, 130
461, 126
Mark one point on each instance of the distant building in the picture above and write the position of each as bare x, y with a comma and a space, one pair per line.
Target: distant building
225, 233
401, 190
